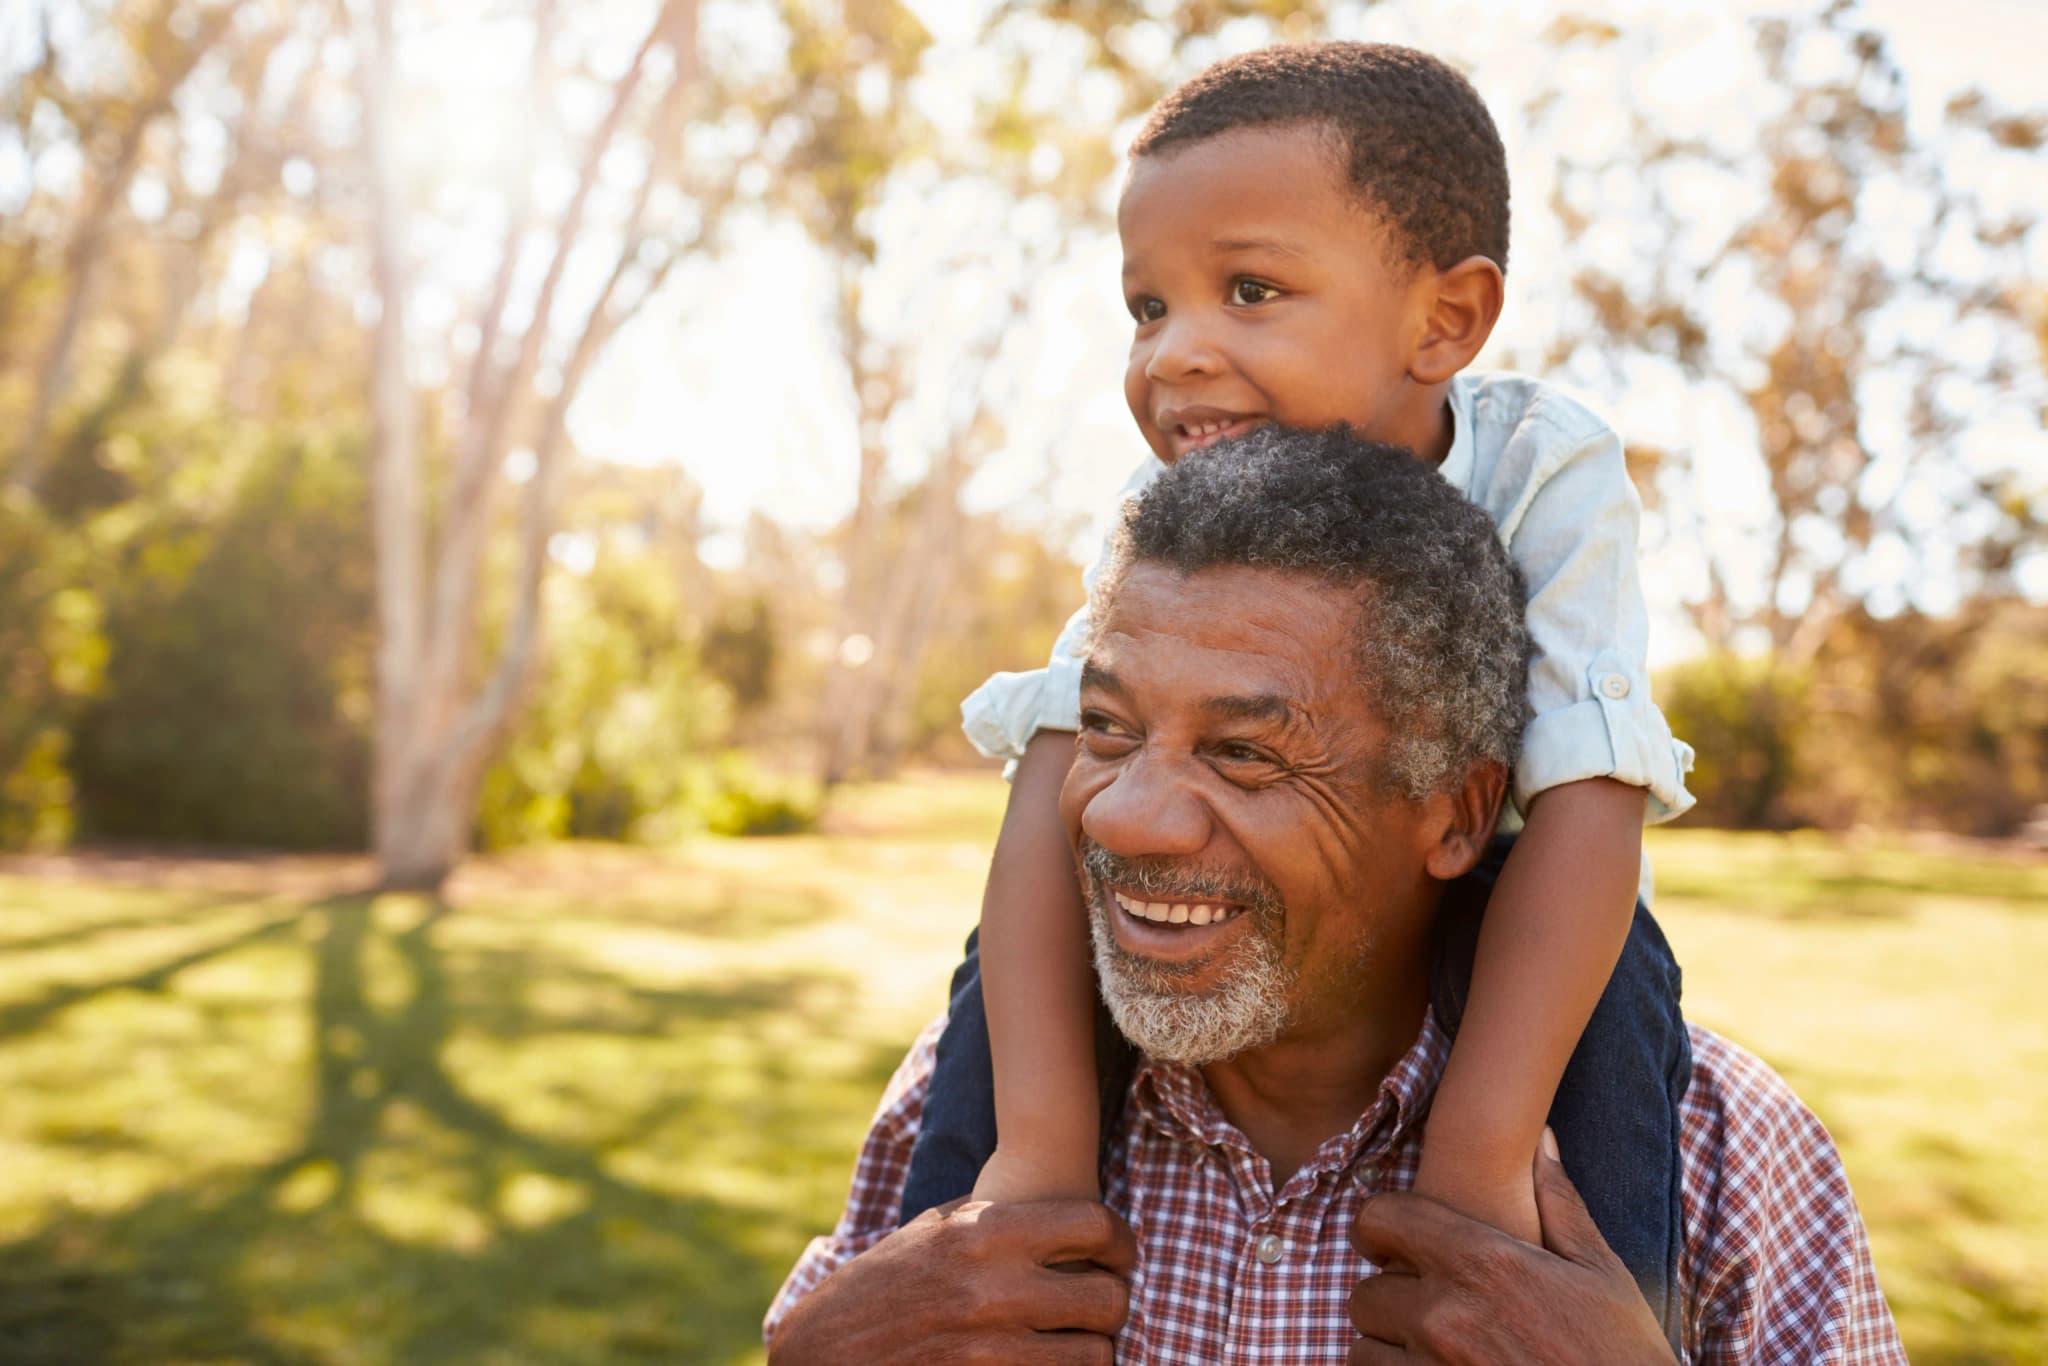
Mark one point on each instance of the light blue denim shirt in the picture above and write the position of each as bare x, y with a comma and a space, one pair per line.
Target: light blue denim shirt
1550, 473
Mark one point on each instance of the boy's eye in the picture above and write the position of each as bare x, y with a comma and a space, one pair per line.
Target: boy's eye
1146, 309
1249, 291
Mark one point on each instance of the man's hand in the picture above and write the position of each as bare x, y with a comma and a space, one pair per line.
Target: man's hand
1469, 1295
973, 1282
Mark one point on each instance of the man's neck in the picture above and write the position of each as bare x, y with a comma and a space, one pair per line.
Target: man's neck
1291, 1096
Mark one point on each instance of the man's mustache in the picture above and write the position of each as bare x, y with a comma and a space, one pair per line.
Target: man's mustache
1170, 879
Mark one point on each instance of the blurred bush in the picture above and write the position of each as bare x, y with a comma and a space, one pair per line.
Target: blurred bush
1743, 718
623, 734
52, 659
235, 708
1908, 721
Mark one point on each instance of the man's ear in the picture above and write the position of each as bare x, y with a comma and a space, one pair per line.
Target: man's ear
1472, 808
1464, 306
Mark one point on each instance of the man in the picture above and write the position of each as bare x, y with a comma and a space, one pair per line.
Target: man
1296, 721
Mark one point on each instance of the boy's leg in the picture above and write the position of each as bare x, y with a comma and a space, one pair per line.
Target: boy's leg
957, 1133
1616, 1111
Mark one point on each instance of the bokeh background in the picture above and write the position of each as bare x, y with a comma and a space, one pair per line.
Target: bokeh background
503, 498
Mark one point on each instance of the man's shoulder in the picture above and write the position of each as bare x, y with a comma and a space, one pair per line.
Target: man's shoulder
1508, 407
1777, 1261
1737, 1098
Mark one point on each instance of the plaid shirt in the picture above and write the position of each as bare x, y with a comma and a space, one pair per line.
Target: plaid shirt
1776, 1265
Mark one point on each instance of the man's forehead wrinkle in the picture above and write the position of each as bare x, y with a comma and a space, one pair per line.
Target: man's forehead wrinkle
1296, 637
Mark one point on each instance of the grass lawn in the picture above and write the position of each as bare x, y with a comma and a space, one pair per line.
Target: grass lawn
589, 1109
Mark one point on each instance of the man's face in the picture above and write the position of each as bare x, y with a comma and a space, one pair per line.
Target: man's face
1247, 876
1262, 290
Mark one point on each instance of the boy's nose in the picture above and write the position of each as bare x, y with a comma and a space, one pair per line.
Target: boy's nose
1147, 810
1182, 348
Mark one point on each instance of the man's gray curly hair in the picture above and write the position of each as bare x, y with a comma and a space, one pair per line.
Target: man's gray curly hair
1443, 645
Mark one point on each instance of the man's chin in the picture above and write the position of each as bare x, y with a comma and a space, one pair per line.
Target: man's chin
1165, 1008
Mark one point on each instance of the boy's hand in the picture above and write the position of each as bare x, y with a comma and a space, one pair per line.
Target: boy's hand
1505, 1200
1013, 1173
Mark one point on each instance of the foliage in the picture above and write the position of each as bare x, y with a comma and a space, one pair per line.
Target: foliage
614, 742
235, 709
1907, 721
52, 659
1743, 718
1833, 289
1933, 722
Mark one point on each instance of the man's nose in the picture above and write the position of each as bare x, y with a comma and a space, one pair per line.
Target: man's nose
1147, 809
1183, 348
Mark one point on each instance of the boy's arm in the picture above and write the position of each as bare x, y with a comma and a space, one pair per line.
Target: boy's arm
1039, 993
1554, 928
1038, 988
1596, 750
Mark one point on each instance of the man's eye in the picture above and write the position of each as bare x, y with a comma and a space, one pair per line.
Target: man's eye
1237, 752
1099, 730
1146, 309
1249, 291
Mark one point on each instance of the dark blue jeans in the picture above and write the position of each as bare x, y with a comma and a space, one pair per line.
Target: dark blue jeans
1615, 1114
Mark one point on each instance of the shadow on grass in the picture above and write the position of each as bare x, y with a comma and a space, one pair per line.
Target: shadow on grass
27, 1015
414, 1222
1795, 879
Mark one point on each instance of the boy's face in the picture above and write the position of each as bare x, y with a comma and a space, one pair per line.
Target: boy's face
1263, 290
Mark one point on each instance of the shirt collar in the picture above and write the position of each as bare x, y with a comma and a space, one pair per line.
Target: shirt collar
1174, 1099
1457, 463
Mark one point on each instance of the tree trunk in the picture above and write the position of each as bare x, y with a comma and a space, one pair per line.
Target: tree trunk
406, 854
437, 723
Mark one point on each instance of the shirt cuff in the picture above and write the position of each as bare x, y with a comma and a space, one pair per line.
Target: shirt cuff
1616, 732
1002, 715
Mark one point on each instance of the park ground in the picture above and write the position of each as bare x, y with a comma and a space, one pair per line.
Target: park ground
590, 1107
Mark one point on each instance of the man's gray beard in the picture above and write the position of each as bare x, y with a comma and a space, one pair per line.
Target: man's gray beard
1247, 1007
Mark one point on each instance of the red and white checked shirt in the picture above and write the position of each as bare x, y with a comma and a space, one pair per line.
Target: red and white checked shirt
1776, 1265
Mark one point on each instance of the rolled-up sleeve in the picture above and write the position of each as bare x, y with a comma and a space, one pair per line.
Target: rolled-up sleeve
1574, 536
875, 1199
1002, 715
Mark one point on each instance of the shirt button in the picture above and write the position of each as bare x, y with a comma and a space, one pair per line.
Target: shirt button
1368, 1175
1270, 1249
1613, 686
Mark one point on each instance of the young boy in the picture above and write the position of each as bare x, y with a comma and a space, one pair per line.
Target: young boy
1317, 234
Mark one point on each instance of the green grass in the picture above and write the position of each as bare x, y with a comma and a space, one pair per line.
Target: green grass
590, 1108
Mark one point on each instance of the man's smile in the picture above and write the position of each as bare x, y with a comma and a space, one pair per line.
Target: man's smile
1181, 932
1176, 912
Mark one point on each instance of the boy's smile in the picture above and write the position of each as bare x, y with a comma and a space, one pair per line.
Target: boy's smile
1264, 290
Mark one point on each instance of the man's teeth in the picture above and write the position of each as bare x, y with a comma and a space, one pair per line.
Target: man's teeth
1175, 912
1198, 430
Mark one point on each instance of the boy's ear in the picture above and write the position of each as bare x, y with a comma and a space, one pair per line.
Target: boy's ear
1465, 305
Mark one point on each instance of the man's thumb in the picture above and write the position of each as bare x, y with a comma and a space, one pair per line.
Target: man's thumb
1568, 1230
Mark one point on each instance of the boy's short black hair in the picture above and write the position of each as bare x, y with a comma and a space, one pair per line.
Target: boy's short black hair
1422, 148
